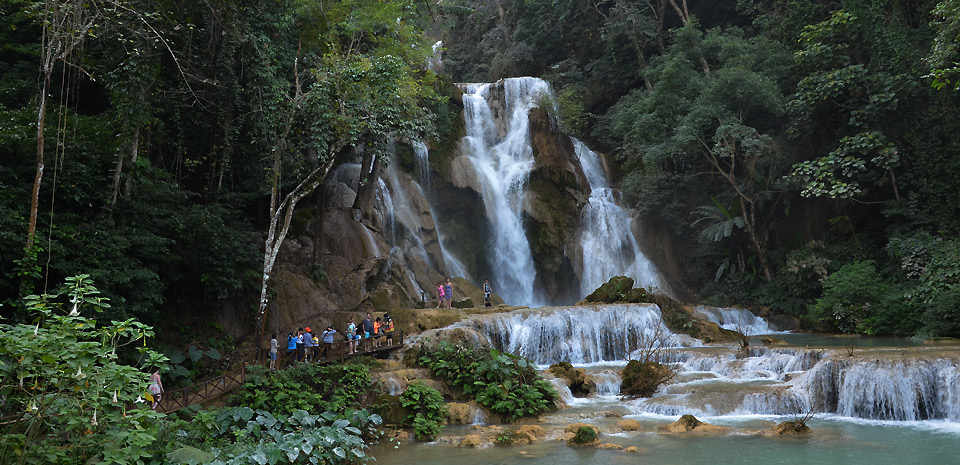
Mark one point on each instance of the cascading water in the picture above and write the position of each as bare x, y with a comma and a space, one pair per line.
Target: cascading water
502, 165
583, 334
607, 242
723, 380
735, 319
422, 158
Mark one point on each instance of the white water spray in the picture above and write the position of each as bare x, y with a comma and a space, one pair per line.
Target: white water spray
607, 242
503, 165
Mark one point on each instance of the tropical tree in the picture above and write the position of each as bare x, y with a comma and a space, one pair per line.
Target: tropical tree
709, 119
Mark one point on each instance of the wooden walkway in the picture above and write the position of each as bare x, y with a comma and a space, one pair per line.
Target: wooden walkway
171, 401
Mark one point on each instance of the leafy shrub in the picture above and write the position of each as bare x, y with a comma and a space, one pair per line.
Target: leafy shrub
241, 435
502, 382
427, 410
64, 396
641, 379
306, 386
857, 299
507, 437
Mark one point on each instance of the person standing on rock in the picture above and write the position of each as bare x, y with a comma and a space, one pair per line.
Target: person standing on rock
487, 290
440, 295
448, 292
273, 352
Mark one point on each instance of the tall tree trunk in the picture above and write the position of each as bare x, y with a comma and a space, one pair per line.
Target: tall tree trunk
749, 219
38, 178
281, 215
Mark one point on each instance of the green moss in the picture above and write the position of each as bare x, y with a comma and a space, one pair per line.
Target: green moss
611, 291
584, 435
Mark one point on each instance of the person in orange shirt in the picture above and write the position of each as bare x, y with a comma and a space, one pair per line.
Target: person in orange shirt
377, 331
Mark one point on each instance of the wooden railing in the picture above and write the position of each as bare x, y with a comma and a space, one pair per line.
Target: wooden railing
337, 351
171, 401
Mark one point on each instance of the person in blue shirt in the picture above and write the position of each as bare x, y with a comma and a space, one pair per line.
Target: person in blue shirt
291, 345
308, 344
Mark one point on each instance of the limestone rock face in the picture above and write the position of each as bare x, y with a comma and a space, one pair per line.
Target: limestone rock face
556, 193
463, 174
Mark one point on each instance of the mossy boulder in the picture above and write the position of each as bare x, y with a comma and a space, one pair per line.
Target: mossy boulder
390, 410
611, 291
641, 379
465, 303
576, 378
585, 436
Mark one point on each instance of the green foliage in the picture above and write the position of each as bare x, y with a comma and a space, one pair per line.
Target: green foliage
63, 387
507, 437
305, 386
943, 59
427, 410
241, 435
502, 382
932, 264
642, 378
857, 299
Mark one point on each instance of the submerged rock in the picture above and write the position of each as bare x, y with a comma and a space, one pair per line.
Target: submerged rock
629, 425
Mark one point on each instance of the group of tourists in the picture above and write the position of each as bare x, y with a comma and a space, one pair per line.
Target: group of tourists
445, 293
303, 344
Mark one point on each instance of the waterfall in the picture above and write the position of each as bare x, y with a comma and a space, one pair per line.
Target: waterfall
902, 390
608, 383
503, 165
735, 319
607, 242
422, 160
582, 334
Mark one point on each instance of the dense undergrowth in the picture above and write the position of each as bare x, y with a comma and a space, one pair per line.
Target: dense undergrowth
73, 390
506, 384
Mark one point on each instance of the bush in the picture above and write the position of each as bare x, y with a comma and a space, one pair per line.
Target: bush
504, 383
641, 379
242, 436
64, 395
427, 410
305, 386
857, 299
